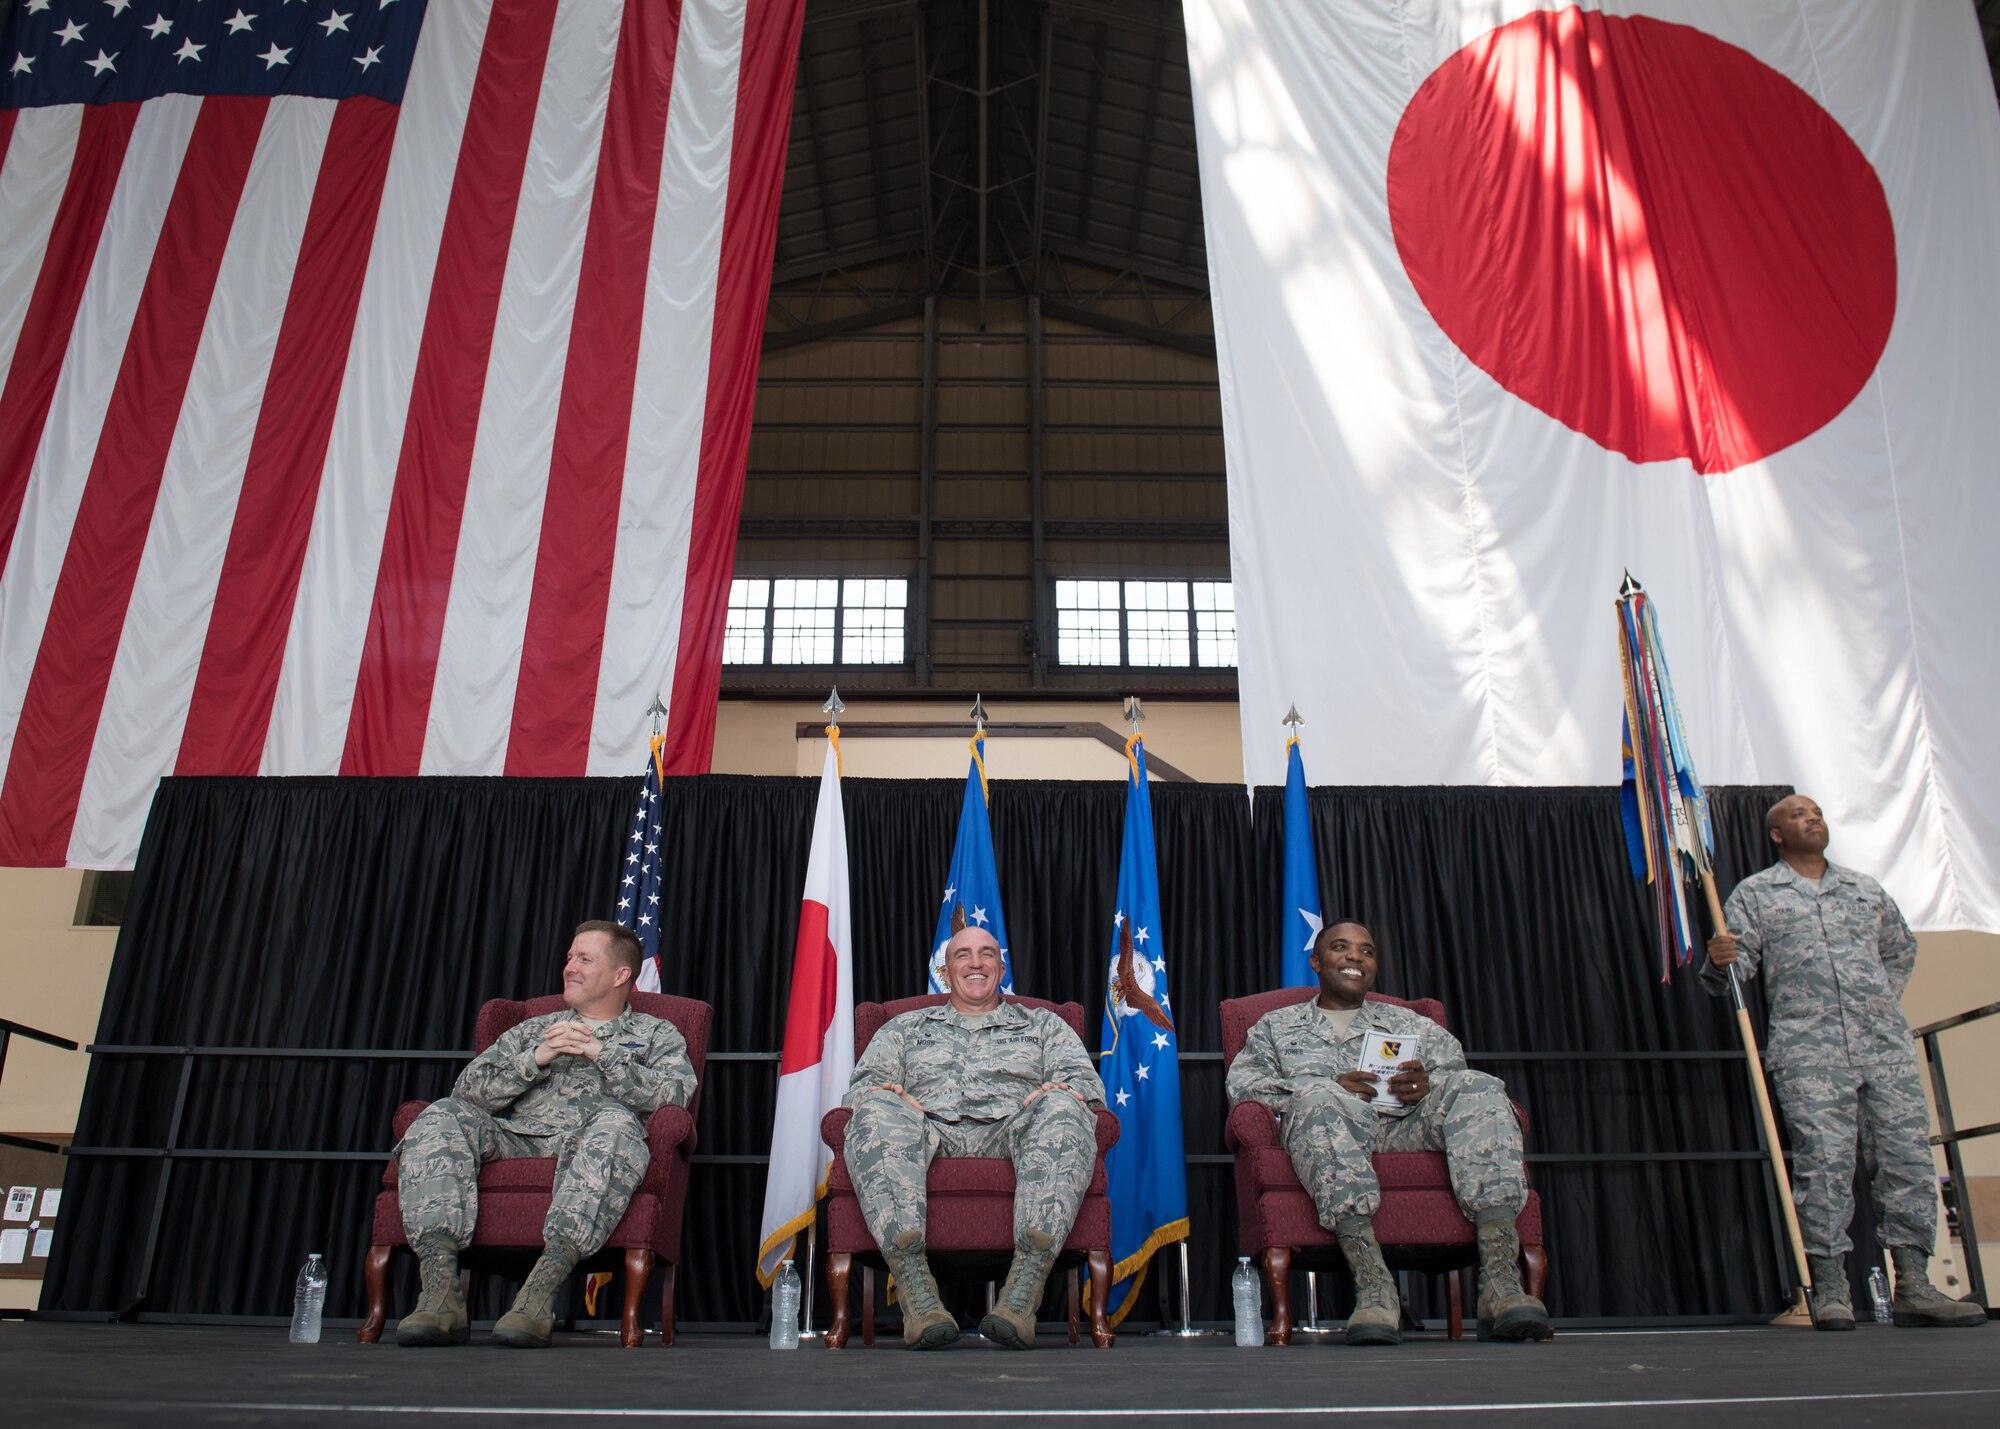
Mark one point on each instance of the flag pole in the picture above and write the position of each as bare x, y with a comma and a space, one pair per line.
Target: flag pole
1293, 723
806, 1330
1763, 1097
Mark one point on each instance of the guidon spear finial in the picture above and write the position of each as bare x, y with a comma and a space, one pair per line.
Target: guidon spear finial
1135, 713
833, 706
977, 714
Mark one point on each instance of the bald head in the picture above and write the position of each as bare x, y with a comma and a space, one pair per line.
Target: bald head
1797, 826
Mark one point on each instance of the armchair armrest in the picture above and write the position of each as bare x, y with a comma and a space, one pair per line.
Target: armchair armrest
833, 1128
670, 1138
1250, 1124
1107, 1130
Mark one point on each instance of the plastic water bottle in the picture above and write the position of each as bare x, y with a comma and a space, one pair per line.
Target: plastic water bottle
308, 1299
785, 1309
1878, 1295
1243, 1289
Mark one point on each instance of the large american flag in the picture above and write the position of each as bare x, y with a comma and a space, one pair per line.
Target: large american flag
375, 386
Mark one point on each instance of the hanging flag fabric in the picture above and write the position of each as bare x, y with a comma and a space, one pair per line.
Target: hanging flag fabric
639, 876
972, 887
1515, 296
1301, 913
1146, 1170
1663, 806
375, 385
819, 1031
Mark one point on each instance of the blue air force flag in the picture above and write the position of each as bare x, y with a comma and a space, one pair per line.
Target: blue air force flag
1300, 914
639, 873
1141, 1068
973, 885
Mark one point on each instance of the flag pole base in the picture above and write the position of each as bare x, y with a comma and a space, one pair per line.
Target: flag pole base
1186, 1329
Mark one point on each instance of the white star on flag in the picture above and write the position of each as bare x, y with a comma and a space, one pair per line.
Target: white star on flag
71, 31
1144, 1071
1123, 1096
624, 903
239, 22
1312, 928
1140, 937
22, 64
35, 7
631, 858
1160, 1040
335, 21
628, 881
119, 7
979, 916
189, 50
652, 848
1160, 966
1118, 919
645, 920
947, 894
102, 63
274, 57
159, 28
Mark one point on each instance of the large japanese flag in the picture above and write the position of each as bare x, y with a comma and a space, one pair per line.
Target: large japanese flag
819, 1032
1510, 298
375, 385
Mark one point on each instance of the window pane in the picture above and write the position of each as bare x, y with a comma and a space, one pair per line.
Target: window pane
871, 621
1086, 595
802, 621
1156, 622
743, 636
1086, 637
1214, 623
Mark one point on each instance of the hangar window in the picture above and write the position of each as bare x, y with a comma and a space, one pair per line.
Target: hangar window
816, 620
1150, 623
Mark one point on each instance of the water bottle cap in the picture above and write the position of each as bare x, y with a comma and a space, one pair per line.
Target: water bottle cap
788, 1261
1242, 1260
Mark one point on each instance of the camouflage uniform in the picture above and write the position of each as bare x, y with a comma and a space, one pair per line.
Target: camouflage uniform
1835, 962
1290, 1063
972, 1073
590, 1116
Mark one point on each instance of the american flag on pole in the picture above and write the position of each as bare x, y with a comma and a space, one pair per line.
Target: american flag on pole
375, 384
639, 872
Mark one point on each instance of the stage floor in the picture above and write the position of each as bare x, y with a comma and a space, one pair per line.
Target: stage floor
72, 1374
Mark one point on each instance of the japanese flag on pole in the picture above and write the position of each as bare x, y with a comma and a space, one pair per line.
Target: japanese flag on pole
1513, 297
819, 1031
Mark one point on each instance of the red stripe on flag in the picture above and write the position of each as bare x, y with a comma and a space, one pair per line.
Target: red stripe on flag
38, 353
742, 290
229, 713
563, 646
815, 969
65, 693
392, 692
6, 131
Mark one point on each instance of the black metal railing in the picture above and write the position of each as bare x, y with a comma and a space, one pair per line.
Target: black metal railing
1950, 1138
9, 1030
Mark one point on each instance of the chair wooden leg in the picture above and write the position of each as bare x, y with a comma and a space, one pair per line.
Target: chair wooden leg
639, 1269
1278, 1285
1071, 1279
667, 1303
1454, 1315
1537, 1261
839, 1266
376, 1271
868, 1305
1099, 1259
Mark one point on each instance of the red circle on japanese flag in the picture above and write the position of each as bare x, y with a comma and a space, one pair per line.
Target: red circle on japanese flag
1649, 234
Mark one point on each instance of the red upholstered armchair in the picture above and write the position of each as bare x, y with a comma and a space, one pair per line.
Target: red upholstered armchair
514, 1194
1419, 1223
971, 1204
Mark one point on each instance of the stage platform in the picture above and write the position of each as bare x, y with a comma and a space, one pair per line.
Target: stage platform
159, 1375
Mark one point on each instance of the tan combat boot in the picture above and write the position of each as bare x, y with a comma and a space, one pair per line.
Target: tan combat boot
1919, 1304
530, 1323
927, 1325
1506, 1310
439, 1318
1378, 1310
1830, 1306
1011, 1322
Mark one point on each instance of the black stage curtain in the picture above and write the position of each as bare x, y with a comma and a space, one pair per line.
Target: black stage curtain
358, 913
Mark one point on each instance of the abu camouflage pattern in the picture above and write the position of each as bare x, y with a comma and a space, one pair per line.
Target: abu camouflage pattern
1291, 1062
589, 1116
1835, 961
972, 1074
